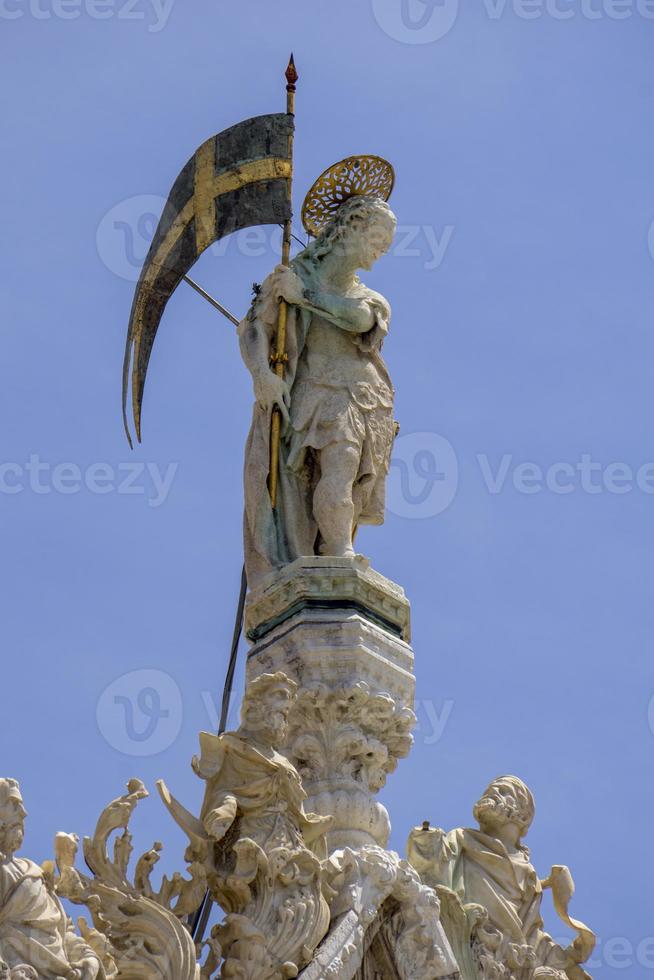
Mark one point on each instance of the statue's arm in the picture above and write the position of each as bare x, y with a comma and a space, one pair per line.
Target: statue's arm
220, 818
255, 346
81, 955
431, 852
357, 315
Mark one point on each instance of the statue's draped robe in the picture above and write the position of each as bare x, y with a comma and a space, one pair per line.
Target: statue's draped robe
480, 870
267, 791
322, 412
34, 928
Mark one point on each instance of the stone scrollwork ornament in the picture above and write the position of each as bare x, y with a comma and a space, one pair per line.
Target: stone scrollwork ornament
138, 933
378, 894
264, 851
491, 894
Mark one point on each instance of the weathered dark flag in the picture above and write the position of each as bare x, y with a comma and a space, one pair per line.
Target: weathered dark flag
240, 177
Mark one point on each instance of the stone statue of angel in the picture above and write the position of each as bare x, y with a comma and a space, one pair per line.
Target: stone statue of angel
336, 396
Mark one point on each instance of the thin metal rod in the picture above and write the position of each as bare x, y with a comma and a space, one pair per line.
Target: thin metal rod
200, 920
214, 302
233, 656
298, 240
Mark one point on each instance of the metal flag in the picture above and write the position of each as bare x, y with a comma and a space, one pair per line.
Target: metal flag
239, 178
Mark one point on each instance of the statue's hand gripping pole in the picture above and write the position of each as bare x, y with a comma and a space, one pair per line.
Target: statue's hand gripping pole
279, 357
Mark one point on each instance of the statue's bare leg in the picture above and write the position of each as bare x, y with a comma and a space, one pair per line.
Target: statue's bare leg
333, 507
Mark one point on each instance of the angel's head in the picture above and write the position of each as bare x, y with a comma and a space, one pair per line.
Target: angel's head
360, 232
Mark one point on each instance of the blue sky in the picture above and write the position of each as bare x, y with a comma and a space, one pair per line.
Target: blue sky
522, 286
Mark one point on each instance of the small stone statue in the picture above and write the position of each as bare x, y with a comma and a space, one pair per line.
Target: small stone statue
261, 869
37, 939
491, 894
336, 396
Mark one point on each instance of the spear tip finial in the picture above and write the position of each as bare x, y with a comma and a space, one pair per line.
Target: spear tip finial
291, 73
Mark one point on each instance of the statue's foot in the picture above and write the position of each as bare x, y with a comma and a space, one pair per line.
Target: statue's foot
334, 551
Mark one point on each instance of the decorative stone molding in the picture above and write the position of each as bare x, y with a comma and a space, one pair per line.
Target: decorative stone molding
344, 743
262, 850
353, 716
380, 902
138, 933
327, 583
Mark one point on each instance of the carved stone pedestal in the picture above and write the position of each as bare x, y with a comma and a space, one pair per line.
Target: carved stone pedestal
341, 631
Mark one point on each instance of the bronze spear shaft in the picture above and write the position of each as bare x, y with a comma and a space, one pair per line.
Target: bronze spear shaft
279, 357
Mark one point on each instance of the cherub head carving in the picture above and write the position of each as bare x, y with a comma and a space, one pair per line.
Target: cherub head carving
12, 817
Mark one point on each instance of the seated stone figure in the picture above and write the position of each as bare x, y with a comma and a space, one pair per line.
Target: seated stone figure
36, 936
491, 894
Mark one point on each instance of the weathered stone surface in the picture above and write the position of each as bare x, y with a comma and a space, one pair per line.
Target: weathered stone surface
262, 850
36, 936
336, 396
317, 583
137, 931
353, 717
385, 923
491, 894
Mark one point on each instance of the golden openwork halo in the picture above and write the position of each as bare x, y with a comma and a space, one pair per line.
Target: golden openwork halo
359, 176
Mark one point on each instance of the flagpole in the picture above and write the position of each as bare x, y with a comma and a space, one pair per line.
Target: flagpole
279, 357
198, 923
